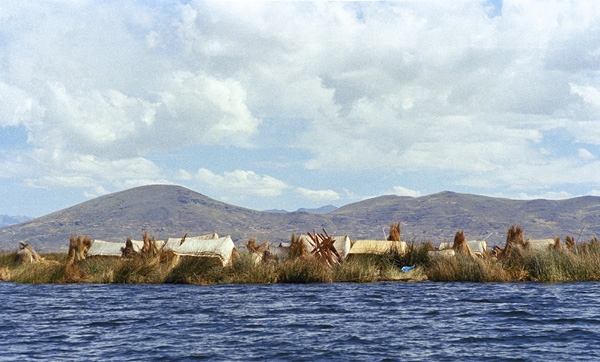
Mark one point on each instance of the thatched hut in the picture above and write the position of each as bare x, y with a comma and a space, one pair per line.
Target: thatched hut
377, 247
540, 244
222, 248
102, 248
173, 243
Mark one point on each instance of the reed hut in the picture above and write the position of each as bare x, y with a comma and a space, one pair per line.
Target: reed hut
102, 248
540, 244
173, 243
476, 246
377, 247
222, 248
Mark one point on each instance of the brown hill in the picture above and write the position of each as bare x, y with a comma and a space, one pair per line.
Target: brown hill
162, 210
172, 211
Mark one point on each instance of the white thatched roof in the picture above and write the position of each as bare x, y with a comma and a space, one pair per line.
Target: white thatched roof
377, 247
139, 244
475, 246
539, 244
342, 244
195, 246
172, 243
105, 248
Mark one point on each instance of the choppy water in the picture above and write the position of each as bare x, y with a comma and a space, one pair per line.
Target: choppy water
370, 322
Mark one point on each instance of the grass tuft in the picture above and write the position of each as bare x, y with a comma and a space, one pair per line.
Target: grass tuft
304, 270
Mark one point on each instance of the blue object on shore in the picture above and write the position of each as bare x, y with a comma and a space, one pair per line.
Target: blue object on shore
407, 268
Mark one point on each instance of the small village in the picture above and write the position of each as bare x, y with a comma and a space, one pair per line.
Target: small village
307, 258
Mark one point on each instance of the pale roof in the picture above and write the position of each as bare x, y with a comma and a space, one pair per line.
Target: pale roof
377, 246
222, 248
105, 248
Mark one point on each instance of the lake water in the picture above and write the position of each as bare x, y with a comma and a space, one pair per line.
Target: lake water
367, 322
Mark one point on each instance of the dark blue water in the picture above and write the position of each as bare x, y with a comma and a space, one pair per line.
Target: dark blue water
368, 322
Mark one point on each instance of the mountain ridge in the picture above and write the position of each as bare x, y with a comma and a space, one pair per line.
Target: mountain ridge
172, 211
7, 220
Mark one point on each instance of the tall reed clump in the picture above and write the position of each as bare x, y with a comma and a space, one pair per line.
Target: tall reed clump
38, 273
140, 270
304, 269
8, 260
78, 248
415, 254
464, 268
101, 270
557, 265
356, 270
297, 247
196, 270
152, 264
245, 270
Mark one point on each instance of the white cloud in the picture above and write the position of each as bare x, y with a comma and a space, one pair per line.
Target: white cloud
17, 107
318, 195
589, 94
403, 191
549, 195
96, 192
366, 87
585, 154
241, 182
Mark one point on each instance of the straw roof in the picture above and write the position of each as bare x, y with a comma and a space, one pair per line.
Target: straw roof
474, 245
105, 248
194, 246
539, 244
173, 243
377, 247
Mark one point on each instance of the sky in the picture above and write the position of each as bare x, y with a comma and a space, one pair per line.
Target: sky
283, 105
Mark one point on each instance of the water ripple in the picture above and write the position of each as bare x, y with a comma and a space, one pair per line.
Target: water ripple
334, 322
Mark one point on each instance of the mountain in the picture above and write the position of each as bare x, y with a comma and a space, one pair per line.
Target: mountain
437, 217
277, 211
172, 211
162, 210
321, 210
6, 220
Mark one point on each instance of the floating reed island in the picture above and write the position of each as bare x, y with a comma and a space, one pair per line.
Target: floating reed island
310, 258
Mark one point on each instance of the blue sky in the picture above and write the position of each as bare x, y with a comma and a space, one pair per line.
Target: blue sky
297, 104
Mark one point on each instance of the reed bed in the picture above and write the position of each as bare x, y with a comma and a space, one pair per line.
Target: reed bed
463, 268
578, 262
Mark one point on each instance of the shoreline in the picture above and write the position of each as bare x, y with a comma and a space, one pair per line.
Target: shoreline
580, 263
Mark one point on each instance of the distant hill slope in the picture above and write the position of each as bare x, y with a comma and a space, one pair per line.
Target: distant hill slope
320, 210
6, 220
437, 217
172, 211
162, 210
